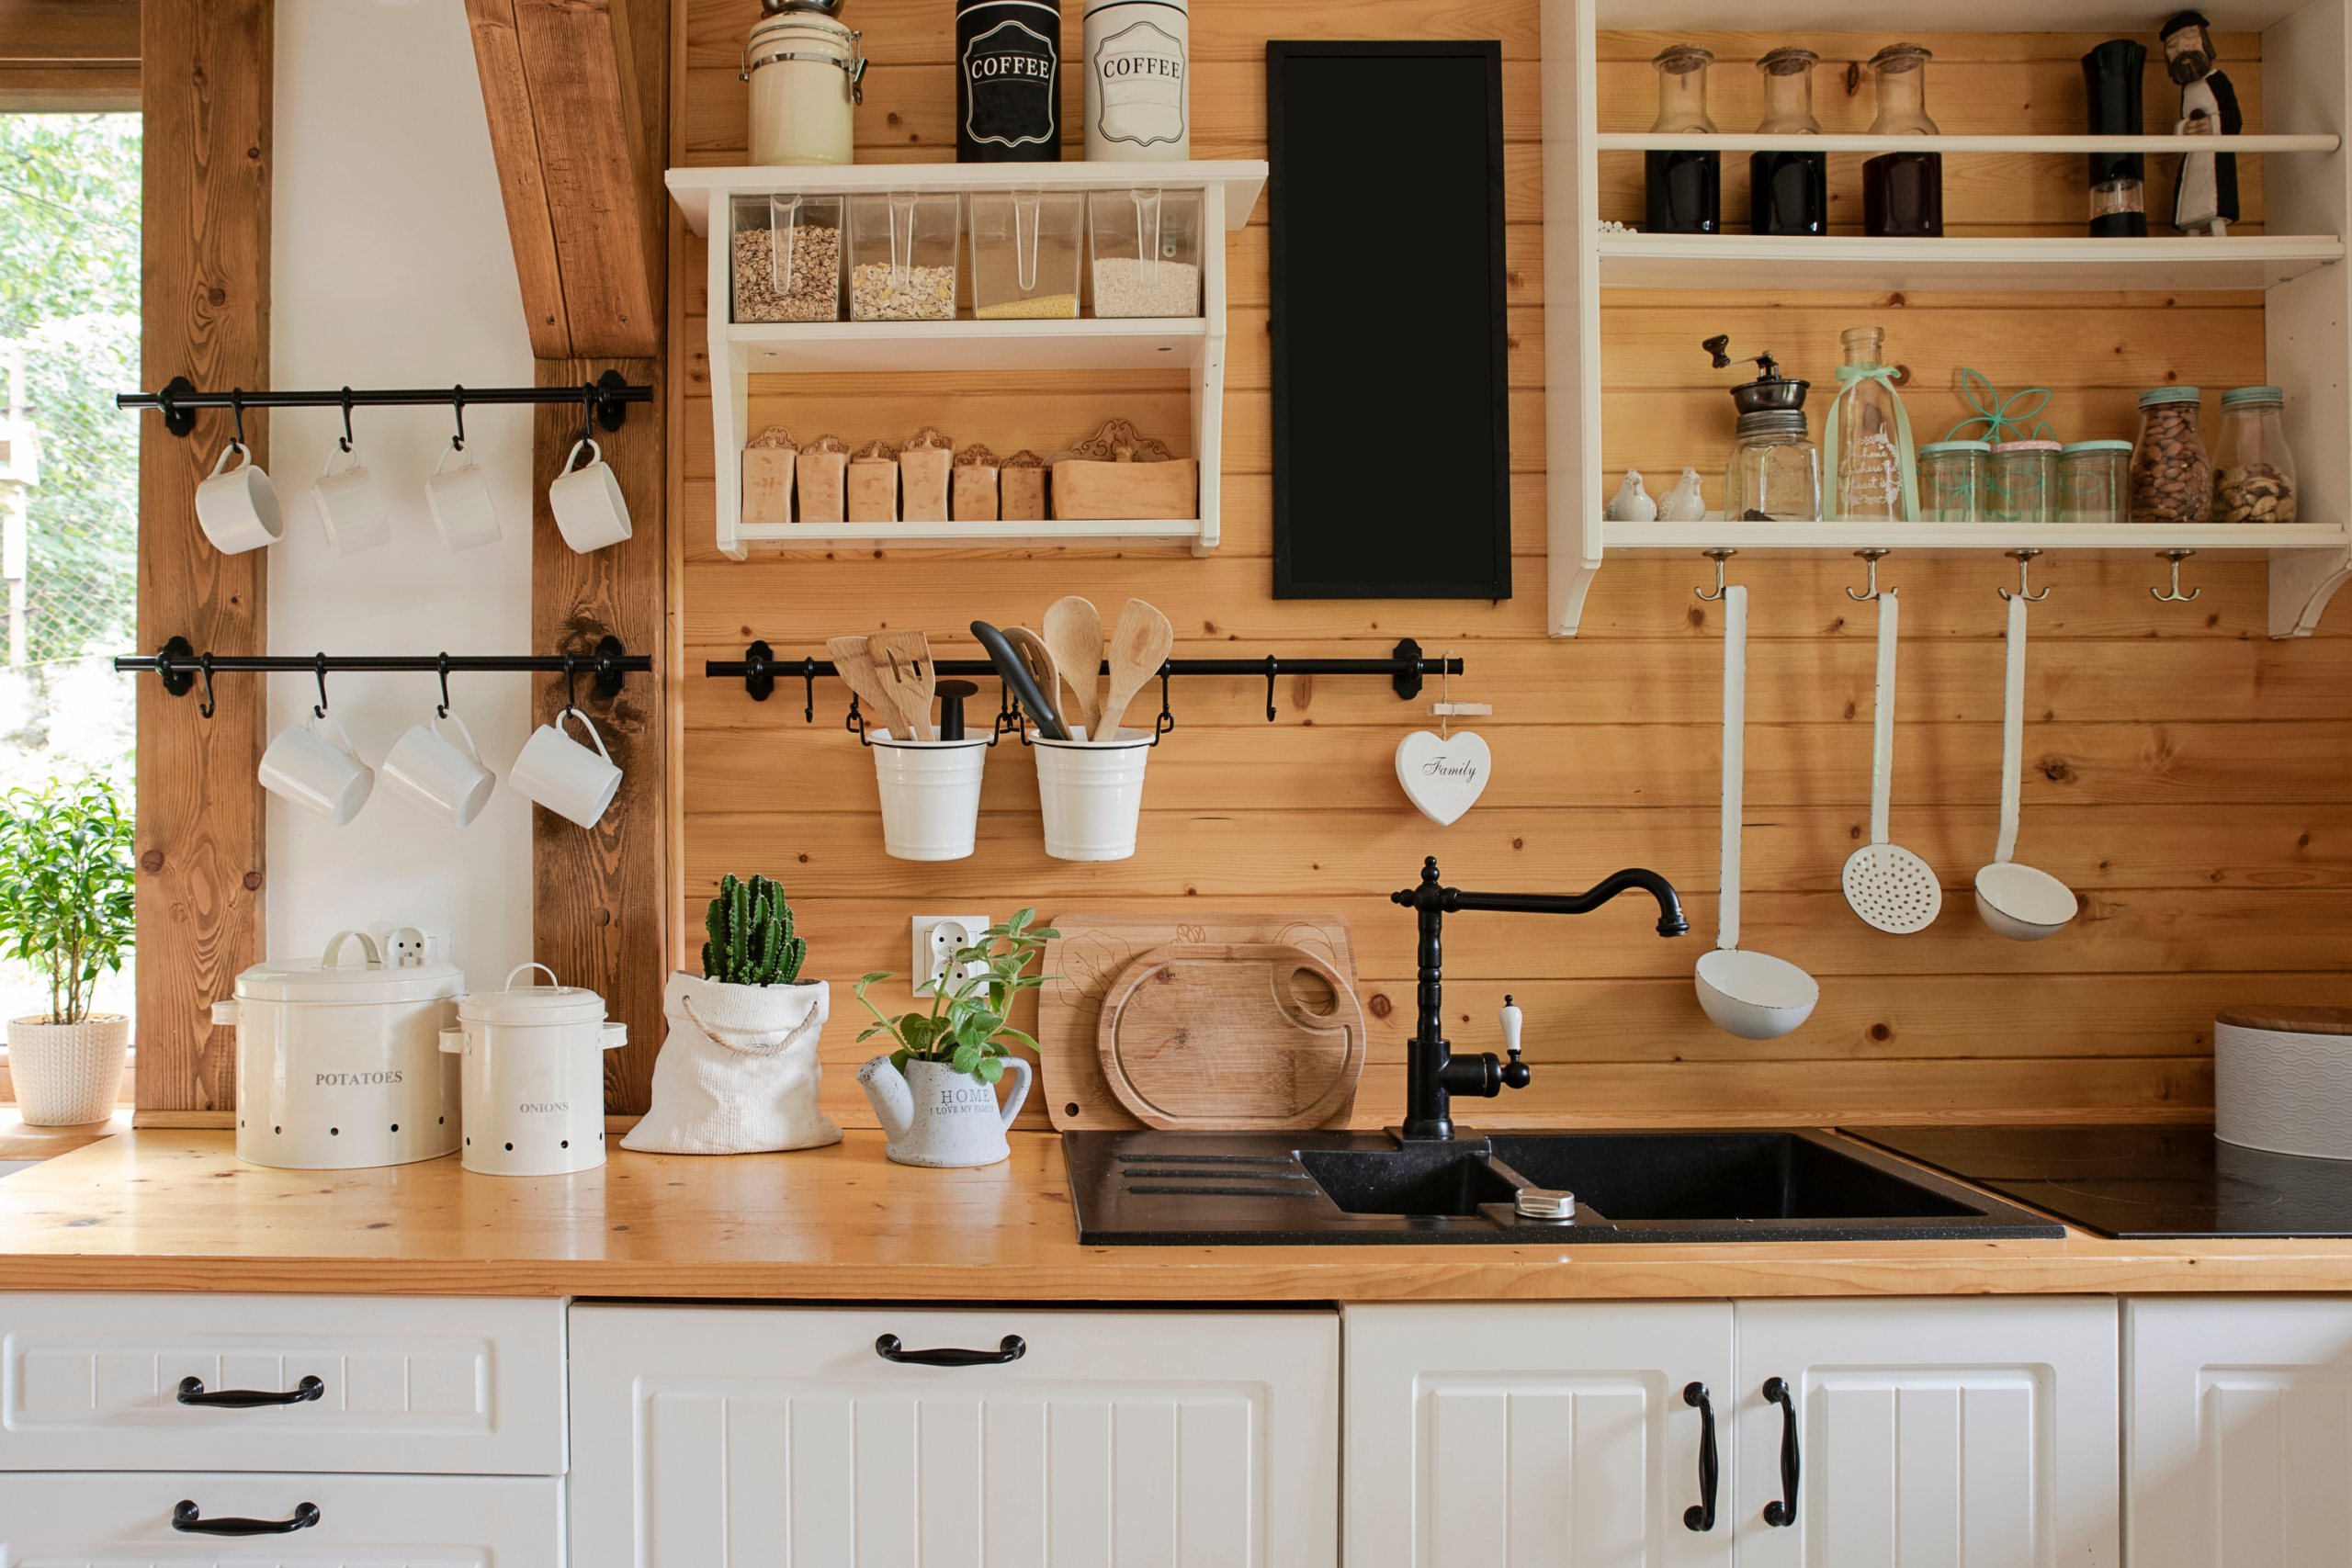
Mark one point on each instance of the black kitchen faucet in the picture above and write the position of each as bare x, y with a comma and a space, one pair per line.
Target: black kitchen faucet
1434, 1074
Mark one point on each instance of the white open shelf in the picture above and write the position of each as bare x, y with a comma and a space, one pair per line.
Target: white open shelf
1836, 539
1801, 261
739, 352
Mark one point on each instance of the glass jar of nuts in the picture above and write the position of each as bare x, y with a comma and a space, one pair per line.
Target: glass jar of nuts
2172, 478
2253, 474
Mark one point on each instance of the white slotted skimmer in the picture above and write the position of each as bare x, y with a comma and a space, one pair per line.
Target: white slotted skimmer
1752, 995
2019, 901
1888, 885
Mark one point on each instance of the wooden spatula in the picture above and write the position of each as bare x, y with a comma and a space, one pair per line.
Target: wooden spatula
1038, 659
902, 661
851, 657
1140, 645
1074, 631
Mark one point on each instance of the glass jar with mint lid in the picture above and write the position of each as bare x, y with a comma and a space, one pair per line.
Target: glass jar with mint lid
2094, 478
2253, 474
1952, 477
2172, 478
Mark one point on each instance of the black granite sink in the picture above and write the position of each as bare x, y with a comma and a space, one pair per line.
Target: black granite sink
1197, 1188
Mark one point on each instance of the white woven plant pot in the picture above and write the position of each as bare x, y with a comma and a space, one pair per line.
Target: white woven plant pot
67, 1074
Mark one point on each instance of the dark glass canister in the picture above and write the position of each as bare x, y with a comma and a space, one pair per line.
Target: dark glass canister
1903, 193
1008, 82
1788, 193
1682, 188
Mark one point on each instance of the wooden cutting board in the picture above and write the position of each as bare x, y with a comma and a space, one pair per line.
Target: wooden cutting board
1204, 1035
1094, 950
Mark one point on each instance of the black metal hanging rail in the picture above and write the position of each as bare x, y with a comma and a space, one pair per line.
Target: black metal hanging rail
180, 665
759, 670
607, 396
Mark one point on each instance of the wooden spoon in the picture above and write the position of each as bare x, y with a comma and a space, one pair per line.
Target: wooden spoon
855, 660
902, 662
1138, 646
1074, 631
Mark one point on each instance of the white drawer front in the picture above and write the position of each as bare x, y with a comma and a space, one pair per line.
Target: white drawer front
428, 1386
1170, 1439
84, 1520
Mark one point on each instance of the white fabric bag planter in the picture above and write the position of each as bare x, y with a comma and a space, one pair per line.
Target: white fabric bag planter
738, 1072
931, 795
1091, 794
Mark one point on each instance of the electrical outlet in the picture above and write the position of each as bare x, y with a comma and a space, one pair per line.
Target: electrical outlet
937, 938
405, 953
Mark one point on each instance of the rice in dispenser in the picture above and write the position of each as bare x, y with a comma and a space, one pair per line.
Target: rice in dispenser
1146, 251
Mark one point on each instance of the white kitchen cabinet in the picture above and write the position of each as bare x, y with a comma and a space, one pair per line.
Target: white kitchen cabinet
1968, 1432
2238, 1431
1124, 1439
1489, 1435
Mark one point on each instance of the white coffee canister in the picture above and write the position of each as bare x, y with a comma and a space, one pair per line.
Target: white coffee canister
339, 1065
807, 77
931, 795
1091, 793
2282, 1079
533, 1076
1138, 81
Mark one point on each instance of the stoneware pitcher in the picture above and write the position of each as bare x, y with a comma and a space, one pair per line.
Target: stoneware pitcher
939, 1117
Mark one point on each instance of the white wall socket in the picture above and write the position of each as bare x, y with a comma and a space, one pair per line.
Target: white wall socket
936, 939
404, 953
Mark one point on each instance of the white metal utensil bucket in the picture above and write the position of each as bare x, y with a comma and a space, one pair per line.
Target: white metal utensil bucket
1092, 792
931, 795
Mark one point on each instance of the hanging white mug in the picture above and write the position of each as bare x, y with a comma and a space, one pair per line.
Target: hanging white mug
319, 774
444, 778
238, 508
557, 772
460, 503
589, 510
351, 505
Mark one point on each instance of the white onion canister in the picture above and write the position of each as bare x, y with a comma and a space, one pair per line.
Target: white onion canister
339, 1065
808, 77
1138, 81
533, 1077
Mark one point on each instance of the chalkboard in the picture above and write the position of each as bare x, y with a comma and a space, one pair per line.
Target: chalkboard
1392, 411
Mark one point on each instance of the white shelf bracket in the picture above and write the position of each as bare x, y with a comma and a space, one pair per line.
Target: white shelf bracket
2302, 583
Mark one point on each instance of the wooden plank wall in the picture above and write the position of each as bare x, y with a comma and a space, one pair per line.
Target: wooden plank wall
2185, 772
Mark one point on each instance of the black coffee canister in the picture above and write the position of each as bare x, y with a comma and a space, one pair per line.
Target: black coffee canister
2118, 207
1008, 82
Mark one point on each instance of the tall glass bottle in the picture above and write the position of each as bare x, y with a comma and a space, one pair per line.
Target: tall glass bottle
1682, 190
1869, 455
1903, 193
1788, 193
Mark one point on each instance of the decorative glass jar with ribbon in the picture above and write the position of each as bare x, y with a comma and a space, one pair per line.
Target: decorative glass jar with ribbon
1873, 474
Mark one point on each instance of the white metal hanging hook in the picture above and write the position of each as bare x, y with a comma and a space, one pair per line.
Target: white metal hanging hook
2025, 560
2175, 596
1872, 557
1718, 556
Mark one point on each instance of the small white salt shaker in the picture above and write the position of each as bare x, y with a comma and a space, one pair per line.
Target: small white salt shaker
1684, 503
1631, 503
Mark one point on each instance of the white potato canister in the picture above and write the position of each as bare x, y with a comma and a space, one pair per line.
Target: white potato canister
339, 1064
2282, 1079
533, 1077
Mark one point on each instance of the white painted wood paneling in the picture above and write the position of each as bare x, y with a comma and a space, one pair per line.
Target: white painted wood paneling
1534, 1436
710, 1437
421, 1386
2238, 1431
124, 1520
1971, 1433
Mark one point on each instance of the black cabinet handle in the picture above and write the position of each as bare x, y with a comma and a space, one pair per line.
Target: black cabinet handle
1012, 1349
1783, 1511
185, 1518
192, 1392
1701, 1515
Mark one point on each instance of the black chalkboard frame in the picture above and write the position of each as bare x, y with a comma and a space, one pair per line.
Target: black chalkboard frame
1492, 580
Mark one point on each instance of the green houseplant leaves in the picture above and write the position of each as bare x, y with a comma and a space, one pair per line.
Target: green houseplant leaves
966, 1026
66, 885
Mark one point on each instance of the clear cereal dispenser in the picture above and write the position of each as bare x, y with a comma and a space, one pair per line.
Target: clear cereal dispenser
787, 263
902, 257
1024, 252
1146, 251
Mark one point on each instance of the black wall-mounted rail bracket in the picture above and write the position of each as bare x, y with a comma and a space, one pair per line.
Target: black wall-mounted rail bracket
607, 398
178, 665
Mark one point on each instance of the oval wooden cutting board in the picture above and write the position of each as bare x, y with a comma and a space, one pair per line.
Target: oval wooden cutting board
1199, 1035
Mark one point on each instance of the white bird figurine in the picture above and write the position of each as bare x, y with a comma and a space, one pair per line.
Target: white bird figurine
1631, 503
1684, 504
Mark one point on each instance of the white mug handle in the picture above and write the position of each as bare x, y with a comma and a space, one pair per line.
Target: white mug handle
434, 724
328, 466
526, 968
331, 957
591, 730
346, 748
595, 452
452, 450
241, 449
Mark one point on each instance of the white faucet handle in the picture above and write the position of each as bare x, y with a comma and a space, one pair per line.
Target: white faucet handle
1511, 1016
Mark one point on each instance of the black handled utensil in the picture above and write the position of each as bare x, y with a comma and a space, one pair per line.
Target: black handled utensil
1016, 675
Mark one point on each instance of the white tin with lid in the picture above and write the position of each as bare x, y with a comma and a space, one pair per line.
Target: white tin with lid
338, 1064
1138, 81
533, 1076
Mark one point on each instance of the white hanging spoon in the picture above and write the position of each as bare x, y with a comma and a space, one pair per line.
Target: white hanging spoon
1888, 885
2019, 901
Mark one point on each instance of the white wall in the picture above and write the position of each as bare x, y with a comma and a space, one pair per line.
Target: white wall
390, 268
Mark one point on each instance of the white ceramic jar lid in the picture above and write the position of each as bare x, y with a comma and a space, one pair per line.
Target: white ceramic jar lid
555, 1003
323, 979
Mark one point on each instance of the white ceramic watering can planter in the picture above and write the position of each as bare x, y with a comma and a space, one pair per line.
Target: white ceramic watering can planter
939, 1117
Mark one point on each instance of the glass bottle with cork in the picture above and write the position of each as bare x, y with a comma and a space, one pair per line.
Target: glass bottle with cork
1788, 193
1682, 190
1903, 193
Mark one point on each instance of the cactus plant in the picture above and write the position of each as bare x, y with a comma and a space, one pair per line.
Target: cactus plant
751, 935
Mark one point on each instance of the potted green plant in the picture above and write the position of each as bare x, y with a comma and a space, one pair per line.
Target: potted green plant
936, 1093
66, 883
738, 1072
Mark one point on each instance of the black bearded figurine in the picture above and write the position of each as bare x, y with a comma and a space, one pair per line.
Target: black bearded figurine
2206, 200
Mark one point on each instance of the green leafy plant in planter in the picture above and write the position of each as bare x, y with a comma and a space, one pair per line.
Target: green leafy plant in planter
66, 884
751, 935
967, 1027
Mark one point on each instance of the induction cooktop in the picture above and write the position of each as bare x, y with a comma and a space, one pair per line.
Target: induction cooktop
2139, 1182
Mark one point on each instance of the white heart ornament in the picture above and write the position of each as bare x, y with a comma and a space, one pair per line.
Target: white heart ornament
1444, 777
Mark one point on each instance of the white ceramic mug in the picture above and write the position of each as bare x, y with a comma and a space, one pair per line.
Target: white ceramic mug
238, 508
589, 510
444, 778
351, 505
557, 772
315, 772
460, 503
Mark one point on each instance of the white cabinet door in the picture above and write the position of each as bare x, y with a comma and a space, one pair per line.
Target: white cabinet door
2238, 1431
1117, 1439
1535, 1436
1946, 1433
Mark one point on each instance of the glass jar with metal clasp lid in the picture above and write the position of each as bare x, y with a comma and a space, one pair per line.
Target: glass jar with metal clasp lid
1952, 479
808, 74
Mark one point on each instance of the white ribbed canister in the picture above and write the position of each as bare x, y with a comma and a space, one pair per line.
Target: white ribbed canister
2282, 1079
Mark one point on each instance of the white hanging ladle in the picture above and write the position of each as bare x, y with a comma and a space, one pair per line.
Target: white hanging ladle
2020, 902
1752, 995
1886, 885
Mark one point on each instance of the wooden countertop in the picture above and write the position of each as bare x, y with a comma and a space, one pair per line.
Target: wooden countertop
173, 1210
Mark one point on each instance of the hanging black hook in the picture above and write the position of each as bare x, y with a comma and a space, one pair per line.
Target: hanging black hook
443, 711
571, 673
809, 691
1274, 668
588, 413
320, 711
345, 442
205, 664
1166, 719
237, 407
458, 399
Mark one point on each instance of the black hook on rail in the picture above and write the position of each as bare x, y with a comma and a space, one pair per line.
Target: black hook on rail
320, 711
1274, 668
205, 664
236, 406
571, 670
345, 442
443, 711
457, 401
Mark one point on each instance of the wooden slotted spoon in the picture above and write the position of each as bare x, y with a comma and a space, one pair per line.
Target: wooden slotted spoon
1140, 645
854, 661
902, 662
1074, 632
